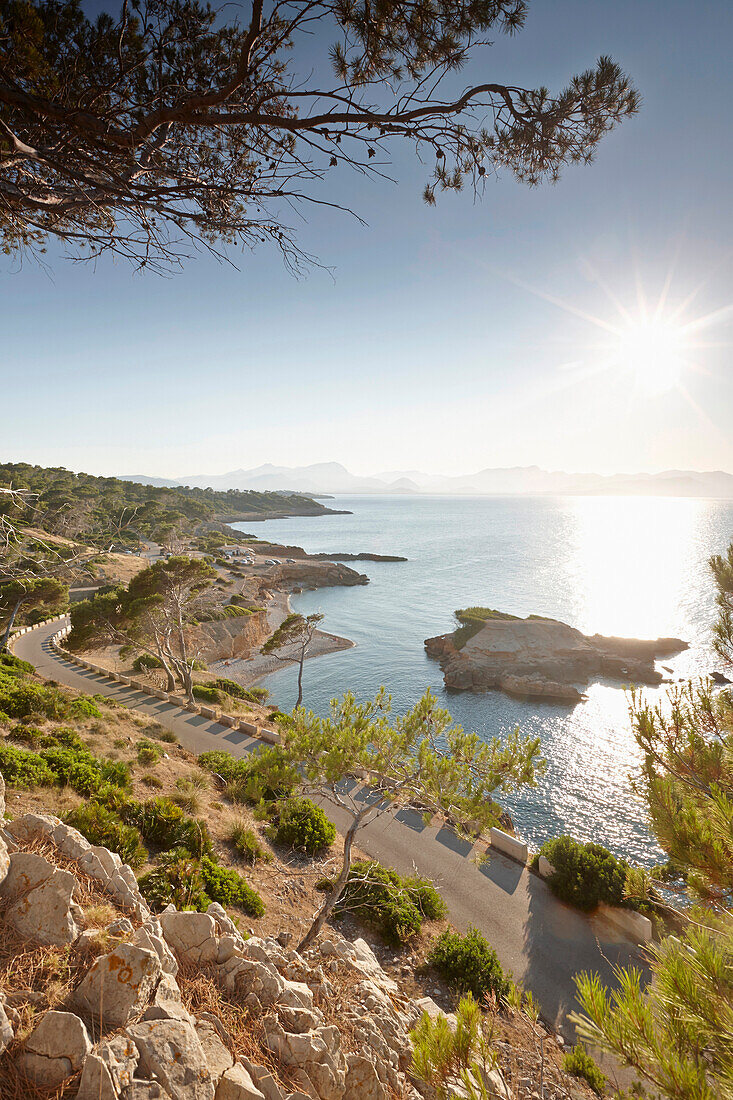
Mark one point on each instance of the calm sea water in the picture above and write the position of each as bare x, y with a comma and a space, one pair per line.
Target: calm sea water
625, 566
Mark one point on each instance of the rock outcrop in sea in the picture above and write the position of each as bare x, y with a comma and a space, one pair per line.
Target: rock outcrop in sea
544, 658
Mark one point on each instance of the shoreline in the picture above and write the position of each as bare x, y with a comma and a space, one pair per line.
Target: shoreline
248, 671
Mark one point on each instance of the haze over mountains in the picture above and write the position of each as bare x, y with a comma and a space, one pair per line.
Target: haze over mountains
332, 477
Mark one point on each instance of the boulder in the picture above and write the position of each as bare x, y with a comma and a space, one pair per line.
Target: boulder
362, 1079
150, 936
167, 1003
40, 898
218, 1058
193, 936
171, 1053
119, 985
236, 1084
55, 1050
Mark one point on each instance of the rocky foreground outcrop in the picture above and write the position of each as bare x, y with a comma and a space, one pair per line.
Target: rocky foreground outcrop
545, 659
329, 1026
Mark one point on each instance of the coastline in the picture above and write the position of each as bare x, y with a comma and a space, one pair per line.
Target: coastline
248, 671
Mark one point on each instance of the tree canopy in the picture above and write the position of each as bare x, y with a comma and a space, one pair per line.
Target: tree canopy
419, 760
677, 1032
169, 122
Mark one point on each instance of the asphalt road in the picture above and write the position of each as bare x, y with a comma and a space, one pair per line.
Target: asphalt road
541, 940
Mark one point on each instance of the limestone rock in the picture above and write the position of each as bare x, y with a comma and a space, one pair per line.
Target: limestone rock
191, 935
166, 1003
118, 985
56, 1049
236, 1084
218, 1058
362, 1079
150, 936
6, 1028
41, 899
171, 1052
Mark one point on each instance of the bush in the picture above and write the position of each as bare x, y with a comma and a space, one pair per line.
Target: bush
207, 693
303, 825
168, 737
229, 888
151, 781
146, 661
83, 707
469, 963
231, 687
165, 825
148, 753
101, 825
248, 844
178, 881
579, 1063
20, 698
15, 666
24, 769
585, 874
262, 775
379, 897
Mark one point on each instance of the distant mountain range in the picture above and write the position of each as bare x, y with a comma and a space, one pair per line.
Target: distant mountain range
332, 477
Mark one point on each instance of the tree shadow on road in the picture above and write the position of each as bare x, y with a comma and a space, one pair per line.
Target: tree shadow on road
559, 942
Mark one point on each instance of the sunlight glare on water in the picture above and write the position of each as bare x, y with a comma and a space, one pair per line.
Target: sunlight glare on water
635, 567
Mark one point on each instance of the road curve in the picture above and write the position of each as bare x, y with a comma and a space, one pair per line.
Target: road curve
541, 940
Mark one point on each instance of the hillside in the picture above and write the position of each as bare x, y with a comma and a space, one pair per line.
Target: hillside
100, 510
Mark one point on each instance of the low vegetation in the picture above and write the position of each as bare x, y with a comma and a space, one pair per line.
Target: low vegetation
303, 826
470, 964
578, 1063
585, 874
392, 904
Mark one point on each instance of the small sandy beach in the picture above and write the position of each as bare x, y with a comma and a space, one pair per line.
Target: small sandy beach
247, 671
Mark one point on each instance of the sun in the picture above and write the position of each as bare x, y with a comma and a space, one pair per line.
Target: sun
651, 350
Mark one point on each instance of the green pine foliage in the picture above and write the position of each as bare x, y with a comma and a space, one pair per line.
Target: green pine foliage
101, 825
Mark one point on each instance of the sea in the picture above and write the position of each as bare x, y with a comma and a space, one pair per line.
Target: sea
628, 566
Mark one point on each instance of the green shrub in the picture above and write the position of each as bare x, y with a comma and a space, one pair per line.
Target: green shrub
207, 693
248, 844
579, 1063
15, 666
101, 825
303, 825
178, 881
425, 897
469, 963
83, 707
24, 769
148, 753
379, 897
145, 662
31, 736
231, 688
151, 781
21, 698
229, 888
585, 874
168, 737
261, 776
220, 763
165, 825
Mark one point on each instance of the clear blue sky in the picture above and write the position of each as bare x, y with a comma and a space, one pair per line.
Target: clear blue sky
433, 344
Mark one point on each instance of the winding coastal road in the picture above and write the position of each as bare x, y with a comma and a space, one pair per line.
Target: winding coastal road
541, 940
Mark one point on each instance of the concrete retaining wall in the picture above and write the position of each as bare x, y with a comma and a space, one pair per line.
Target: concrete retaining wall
630, 923
509, 845
269, 736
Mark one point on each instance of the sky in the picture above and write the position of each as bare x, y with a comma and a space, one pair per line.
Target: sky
500, 332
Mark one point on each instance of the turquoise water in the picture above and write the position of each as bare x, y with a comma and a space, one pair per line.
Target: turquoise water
626, 566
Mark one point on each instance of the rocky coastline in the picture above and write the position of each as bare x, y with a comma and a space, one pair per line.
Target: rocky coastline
538, 658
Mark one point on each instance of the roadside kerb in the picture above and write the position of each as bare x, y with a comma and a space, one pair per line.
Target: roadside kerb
262, 734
